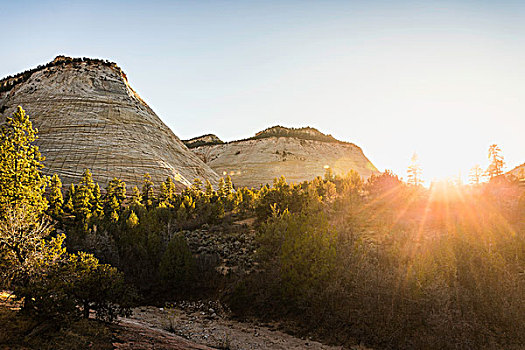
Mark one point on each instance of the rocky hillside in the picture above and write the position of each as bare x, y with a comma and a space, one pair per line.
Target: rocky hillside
518, 171
208, 139
298, 154
88, 116
306, 133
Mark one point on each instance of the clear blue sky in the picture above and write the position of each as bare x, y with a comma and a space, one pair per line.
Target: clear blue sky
444, 79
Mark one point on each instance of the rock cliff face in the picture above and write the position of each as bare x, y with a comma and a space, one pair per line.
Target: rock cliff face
298, 154
88, 116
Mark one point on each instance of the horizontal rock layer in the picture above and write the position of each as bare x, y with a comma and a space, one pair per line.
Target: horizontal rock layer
256, 162
89, 117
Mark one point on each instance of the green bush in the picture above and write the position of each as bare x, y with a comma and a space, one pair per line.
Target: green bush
177, 266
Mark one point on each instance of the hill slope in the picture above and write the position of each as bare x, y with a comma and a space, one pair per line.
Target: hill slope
88, 116
518, 171
298, 154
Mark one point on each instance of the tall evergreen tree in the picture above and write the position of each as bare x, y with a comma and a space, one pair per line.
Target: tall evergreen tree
147, 191
56, 201
132, 220
87, 180
475, 175
68, 201
112, 209
414, 172
496, 162
116, 188
114, 199
84, 198
170, 185
196, 187
228, 185
208, 190
21, 182
163, 196
96, 203
167, 193
136, 198
221, 188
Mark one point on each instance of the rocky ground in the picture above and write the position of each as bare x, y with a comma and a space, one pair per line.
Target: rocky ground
184, 325
208, 324
132, 334
232, 251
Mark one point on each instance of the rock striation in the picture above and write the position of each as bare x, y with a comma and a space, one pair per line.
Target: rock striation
297, 153
89, 117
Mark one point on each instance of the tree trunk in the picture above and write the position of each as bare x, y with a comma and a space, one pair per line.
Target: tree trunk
86, 309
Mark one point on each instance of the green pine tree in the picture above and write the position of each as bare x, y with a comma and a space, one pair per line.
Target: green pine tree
228, 185
196, 188
84, 198
167, 193
112, 209
147, 191
68, 201
208, 190
177, 265
56, 201
132, 220
116, 188
163, 196
21, 182
170, 185
96, 203
136, 198
221, 188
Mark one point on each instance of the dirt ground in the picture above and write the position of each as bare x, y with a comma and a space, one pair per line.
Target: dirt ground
216, 331
187, 325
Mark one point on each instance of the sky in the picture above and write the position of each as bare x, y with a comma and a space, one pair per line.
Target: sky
443, 79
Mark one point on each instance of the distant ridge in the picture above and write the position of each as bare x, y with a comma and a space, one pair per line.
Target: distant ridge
302, 133
297, 153
208, 139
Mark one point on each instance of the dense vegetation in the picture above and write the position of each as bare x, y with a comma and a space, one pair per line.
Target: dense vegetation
50, 283
306, 133
204, 140
382, 262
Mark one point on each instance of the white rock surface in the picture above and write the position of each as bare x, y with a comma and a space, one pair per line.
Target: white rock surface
88, 116
255, 162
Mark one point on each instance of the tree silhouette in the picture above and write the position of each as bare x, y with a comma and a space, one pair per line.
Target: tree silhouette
147, 191
414, 172
496, 162
476, 174
56, 201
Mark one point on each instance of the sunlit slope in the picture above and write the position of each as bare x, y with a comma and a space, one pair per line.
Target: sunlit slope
518, 171
298, 154
88, 116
